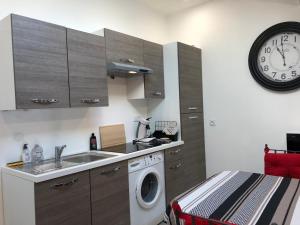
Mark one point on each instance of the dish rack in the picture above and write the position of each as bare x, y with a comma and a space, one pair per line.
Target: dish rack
161, 125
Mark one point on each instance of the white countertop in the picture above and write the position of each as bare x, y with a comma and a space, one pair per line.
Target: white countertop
87, 166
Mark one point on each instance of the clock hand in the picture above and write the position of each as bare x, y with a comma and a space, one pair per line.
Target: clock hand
283, 56
279, 52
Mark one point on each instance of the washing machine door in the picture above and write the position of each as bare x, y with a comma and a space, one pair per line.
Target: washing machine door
149, 188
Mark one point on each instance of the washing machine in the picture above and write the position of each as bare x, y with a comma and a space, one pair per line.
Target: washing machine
147, 189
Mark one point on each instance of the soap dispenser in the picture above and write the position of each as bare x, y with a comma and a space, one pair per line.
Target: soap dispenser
26, 155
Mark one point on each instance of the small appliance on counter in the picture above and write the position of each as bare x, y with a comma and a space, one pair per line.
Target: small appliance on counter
143, 128
143, 136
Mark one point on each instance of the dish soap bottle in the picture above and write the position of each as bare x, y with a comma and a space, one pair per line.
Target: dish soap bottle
93, 142
26, 155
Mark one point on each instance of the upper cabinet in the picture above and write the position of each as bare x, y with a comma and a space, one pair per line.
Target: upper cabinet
190, 78
40, 64
123, 48
154, 59
49, 66
87, 69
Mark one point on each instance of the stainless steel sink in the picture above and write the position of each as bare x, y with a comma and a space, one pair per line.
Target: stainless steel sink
86, 157
67, 161
51, 166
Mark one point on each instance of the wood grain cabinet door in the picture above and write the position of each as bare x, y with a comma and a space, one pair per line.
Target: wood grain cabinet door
40, 64
190, 78
87, 69
123, 48
64, 201
174, 173
173, 154
153, 58
192, 132
110, 195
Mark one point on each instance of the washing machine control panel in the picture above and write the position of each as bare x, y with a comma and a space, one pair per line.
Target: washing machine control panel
145, 161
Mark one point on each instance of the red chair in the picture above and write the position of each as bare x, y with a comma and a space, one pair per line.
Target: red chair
281, 163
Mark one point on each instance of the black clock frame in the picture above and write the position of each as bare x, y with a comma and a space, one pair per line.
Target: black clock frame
284, 27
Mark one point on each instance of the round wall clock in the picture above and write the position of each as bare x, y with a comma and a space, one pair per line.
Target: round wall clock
274, 58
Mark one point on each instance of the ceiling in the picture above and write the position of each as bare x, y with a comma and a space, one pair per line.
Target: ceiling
171, 6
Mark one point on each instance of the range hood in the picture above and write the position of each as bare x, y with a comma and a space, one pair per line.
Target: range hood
124, 69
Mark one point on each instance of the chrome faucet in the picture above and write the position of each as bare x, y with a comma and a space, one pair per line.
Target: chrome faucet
58, 152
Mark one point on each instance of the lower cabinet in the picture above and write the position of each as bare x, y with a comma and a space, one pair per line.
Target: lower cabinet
96, 197
110, 195
174, 173
63, 201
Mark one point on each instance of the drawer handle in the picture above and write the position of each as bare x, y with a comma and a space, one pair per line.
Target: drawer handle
175, 152
67, 184
193, 108
110, 171
130, 60
90, 101
193, 117
176, 166
44, 101
127, 61
158, 93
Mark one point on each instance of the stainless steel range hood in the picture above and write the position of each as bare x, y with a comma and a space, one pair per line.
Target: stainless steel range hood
124, 69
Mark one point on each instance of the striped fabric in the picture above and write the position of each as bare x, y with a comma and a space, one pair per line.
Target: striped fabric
239, 198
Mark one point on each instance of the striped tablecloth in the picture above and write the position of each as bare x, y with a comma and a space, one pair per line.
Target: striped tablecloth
240, 198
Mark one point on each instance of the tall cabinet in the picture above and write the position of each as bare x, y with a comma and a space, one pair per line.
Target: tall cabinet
191, 112
183, 102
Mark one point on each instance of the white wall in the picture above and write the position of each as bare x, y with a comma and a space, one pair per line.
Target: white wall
168, 108
247, 116
74, 126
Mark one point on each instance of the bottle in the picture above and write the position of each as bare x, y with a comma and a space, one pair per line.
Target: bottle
37, 154
93, 142
26, 155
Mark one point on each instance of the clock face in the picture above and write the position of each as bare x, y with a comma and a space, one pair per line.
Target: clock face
274, 58
279, 57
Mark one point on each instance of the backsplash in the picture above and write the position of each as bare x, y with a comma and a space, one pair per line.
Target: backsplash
73, 127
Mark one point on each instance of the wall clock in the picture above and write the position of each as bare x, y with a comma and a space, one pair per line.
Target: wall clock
274, 58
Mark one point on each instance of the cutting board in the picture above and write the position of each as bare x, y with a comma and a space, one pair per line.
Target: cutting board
112, 135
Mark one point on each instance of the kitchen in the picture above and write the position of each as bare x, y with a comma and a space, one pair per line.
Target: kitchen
73, 126
99, 58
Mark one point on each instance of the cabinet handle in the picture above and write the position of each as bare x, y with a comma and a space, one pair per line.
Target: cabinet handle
127, 61
193, 108
175, 152
90, 101
176, 166
158, 93
130, 60
44, 101
110, 171
67, 184
193, 117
